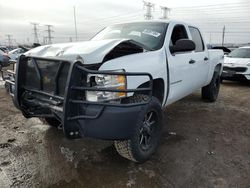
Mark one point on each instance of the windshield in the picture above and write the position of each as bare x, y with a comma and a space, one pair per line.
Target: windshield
240, 53
150, 34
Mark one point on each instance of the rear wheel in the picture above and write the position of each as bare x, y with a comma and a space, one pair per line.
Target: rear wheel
51, 121
211, 91
147, 132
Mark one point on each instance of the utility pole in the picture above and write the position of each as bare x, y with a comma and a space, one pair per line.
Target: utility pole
49, 37
165, 12
35, 30
223, 35
75, 24
149, 7
9, 40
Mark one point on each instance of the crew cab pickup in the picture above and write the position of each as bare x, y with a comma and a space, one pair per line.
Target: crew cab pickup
114, 86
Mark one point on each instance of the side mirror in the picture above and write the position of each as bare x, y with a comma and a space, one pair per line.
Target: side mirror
183, 45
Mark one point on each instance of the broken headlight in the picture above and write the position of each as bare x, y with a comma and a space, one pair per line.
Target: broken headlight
102, 81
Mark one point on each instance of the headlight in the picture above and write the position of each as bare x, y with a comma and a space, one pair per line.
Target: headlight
103, 81
248, 64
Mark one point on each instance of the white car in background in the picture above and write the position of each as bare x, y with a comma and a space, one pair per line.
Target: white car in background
237, 64
14, 54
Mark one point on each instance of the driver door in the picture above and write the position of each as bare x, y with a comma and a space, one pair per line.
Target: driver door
181, 71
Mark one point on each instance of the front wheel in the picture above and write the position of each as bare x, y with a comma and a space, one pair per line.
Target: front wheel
147, 132
211, 91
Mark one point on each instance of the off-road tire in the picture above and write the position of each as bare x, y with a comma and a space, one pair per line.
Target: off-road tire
132, 148
53, 122
211, 91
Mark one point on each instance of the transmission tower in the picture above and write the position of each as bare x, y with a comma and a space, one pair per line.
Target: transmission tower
9, 38
165, 12
35, 30
149, 7
49, 30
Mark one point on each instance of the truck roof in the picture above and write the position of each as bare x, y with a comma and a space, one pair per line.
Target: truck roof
157, 21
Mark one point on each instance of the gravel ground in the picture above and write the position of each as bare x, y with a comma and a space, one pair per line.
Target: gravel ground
208, 146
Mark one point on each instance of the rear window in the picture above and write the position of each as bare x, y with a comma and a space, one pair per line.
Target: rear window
196, 37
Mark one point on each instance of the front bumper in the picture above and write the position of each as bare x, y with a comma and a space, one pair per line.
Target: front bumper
112, 122
79, 118
236, 72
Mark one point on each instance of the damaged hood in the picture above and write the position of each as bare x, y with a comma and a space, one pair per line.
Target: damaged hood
89, 52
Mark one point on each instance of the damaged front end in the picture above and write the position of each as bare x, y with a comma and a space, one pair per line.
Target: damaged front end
57, 88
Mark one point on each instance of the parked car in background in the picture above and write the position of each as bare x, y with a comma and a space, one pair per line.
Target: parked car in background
237, 64
14, 54
4, 49
4, 59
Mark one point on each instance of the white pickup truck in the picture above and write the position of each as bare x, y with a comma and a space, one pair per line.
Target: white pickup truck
114, 86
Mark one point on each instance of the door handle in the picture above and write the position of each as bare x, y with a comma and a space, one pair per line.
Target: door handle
192, 61
206, 59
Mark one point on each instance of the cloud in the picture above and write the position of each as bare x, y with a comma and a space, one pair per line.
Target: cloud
92, 15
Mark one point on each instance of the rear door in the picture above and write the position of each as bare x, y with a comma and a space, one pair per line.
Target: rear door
200, 59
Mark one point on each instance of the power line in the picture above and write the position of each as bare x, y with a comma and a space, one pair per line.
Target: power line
35, 30
216, 5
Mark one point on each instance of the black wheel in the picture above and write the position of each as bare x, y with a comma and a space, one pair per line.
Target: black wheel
147, 132
211, 91
51, 121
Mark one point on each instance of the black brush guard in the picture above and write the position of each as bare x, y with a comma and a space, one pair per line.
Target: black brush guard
79, 117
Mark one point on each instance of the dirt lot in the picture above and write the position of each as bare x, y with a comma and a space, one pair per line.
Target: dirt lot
211, 148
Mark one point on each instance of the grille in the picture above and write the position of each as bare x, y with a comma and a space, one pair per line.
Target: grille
44, 75
236, 69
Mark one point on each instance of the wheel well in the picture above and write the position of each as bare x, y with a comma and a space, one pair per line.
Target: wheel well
158, 89
218, 68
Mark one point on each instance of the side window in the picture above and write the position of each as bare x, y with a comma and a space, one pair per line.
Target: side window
196, 37
179, 32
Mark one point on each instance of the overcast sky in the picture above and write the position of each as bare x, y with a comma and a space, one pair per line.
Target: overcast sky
210, 16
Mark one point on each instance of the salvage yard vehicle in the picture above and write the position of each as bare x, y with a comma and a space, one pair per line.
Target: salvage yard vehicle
114, 86
4, 59
237, 64
14, 54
